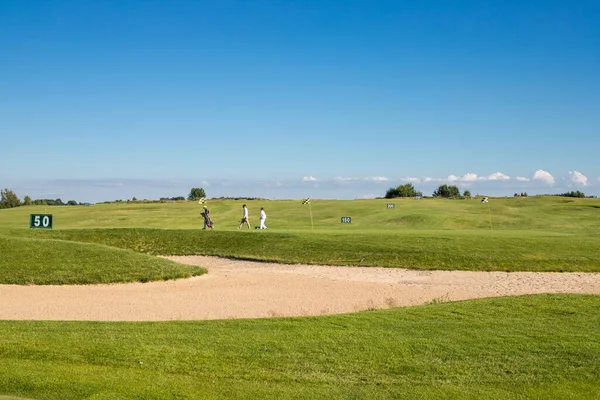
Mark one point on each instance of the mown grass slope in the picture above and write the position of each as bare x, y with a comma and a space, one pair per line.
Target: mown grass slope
530, 347
538, 213
525, 234
35, 261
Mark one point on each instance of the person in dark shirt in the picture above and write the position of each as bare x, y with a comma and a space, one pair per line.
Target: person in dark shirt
207, 222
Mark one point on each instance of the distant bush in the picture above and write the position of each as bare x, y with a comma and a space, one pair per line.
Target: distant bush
178, 198
9, 199
576, 193
406, 190
448, 192
48, 202
196, 194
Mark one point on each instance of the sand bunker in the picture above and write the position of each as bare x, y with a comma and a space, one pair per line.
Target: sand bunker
243, 289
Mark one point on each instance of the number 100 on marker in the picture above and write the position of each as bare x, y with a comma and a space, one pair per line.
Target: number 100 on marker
40, 221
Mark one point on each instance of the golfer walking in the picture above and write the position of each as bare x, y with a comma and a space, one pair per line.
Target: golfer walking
244, 217
206, 215
263, 218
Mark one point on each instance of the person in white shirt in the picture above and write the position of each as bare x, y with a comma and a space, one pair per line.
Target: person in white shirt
244, 217
263, 217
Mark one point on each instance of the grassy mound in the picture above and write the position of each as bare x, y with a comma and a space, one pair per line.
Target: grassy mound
38, 261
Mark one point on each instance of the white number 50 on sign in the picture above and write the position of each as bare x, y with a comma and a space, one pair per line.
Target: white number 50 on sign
40, 221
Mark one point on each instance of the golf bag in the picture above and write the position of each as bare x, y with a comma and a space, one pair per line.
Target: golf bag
207, 220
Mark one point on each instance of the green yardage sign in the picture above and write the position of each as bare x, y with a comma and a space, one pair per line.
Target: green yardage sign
40, 221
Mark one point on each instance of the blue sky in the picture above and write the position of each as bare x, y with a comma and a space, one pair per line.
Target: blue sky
340, 99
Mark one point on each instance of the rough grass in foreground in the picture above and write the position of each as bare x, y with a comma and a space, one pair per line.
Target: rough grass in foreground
529, 347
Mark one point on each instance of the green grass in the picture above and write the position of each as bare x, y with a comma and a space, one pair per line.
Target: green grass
35, 261
12, 398
463, 250
553, 214
530, 347
527, 234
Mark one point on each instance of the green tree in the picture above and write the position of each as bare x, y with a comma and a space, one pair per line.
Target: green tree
9, 199
391, 193
196, 193
447, 191
27, 201
576, 193
467, 193
406, 190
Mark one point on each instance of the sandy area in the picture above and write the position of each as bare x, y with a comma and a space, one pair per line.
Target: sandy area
242, 289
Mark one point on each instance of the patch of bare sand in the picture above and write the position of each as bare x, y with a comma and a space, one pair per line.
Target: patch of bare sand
243, 289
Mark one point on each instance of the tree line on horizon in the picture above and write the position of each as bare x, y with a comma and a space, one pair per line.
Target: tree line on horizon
9, 199
453, 192
444, 191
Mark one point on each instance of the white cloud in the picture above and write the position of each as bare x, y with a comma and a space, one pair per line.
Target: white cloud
449, 178
377, 179
342, 179
367, 179
544, 176
418, 180
523, 179
309, 179
453, 178
469, 177
498, 176
578, 178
